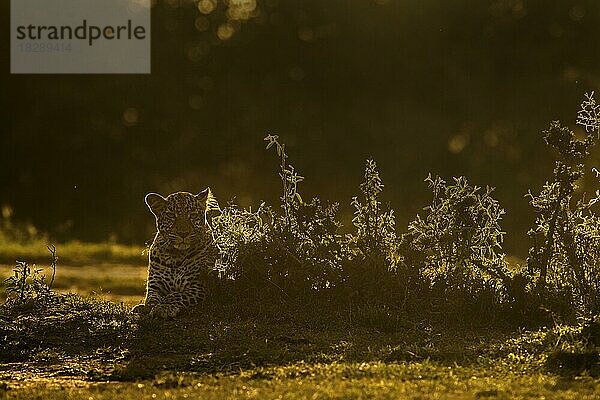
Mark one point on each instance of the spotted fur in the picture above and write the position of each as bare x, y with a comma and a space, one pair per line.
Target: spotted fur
182, 254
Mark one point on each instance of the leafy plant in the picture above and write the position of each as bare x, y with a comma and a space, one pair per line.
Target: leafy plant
375, 227
27, 282
369, 256
459, 237
566, 237
289, 179
297, 250
589, 114
241, 235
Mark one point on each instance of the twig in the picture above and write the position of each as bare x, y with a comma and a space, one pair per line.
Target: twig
54, 259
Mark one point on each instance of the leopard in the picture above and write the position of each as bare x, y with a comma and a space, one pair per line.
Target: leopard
182, 255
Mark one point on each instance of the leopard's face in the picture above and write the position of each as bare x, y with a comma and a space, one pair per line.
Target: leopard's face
180, 218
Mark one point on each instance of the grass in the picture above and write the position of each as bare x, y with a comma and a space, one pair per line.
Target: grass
246, 357
335, 381
116, 282
89, 348
253, 346
71, 253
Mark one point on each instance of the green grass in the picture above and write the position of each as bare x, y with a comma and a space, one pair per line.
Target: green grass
335, 373
107, 270
254, 346
71, 347
72, 252
115, 282
415, 380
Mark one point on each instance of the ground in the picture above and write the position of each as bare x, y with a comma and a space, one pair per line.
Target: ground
87, 346
331, 381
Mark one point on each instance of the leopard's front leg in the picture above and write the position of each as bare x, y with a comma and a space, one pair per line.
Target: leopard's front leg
173, 303
154, 293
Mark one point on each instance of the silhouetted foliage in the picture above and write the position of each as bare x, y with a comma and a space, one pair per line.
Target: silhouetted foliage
375, 228
451, 256
460, 235
564, 257
27, 285
297, 250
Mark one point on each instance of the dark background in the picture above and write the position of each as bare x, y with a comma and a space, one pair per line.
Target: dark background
459, 87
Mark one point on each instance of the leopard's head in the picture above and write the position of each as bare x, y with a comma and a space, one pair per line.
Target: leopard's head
181, 216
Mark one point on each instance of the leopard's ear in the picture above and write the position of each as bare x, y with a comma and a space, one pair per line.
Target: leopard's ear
156, 203
203, 195
208, 200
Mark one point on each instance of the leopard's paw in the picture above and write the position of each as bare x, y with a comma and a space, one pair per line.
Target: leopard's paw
140, 309
164, 311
